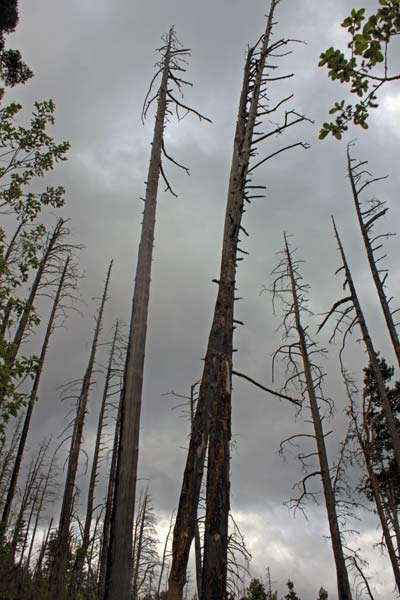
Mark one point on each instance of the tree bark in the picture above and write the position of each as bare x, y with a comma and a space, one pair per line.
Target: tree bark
372, 264
138, 543
119, 564
59, 567
380, 384
212, 423
344, 591
82, 552
108, 512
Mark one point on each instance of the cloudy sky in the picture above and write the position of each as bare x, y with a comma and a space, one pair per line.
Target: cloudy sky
95, 59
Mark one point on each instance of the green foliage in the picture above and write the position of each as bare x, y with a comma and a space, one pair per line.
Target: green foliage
12, 68
27, 154
291, 595
383, 455
256, 590
368, 50
323, 594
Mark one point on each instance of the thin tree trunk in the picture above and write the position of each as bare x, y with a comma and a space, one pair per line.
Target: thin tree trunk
119, 565
186, 518
28, 525
60, 566
164, 556
138, 545
24, 320
81, 554
387, 409
109, 503
371, 260
33, 397
35, 467
38, 566
344, 592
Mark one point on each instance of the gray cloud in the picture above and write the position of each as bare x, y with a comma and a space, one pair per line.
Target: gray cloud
96, 60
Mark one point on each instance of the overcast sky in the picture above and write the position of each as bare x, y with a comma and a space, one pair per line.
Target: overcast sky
96, 59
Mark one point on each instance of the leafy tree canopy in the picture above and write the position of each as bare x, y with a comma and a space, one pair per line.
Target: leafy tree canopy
12, 68
365, 67
256, 590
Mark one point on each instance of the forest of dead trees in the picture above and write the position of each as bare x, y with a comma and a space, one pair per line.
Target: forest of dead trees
76, 521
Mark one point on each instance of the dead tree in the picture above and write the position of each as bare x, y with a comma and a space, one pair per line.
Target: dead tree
29, 495
165, 555
46, 495
367, 217
213, 413
82, 552
119, 567
302, 369
109, 503
365, 438
53, 250
64, 284
63, 534
349, 309
145, 557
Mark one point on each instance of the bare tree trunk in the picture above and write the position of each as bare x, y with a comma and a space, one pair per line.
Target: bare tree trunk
81, 554
138, 543
109, 503
23, 322
35, 466
33, 397
186, 518
119, 565
390, 421
59, 567
213, 414
38, 566
366, 227
344, 592
164, 556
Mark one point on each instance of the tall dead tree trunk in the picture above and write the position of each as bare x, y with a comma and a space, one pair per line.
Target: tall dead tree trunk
59, 567
372, 355
139, 543
33, 397
213, 412
82, 552
367, 220
119, 565
119, 568
109, 502
313, 379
